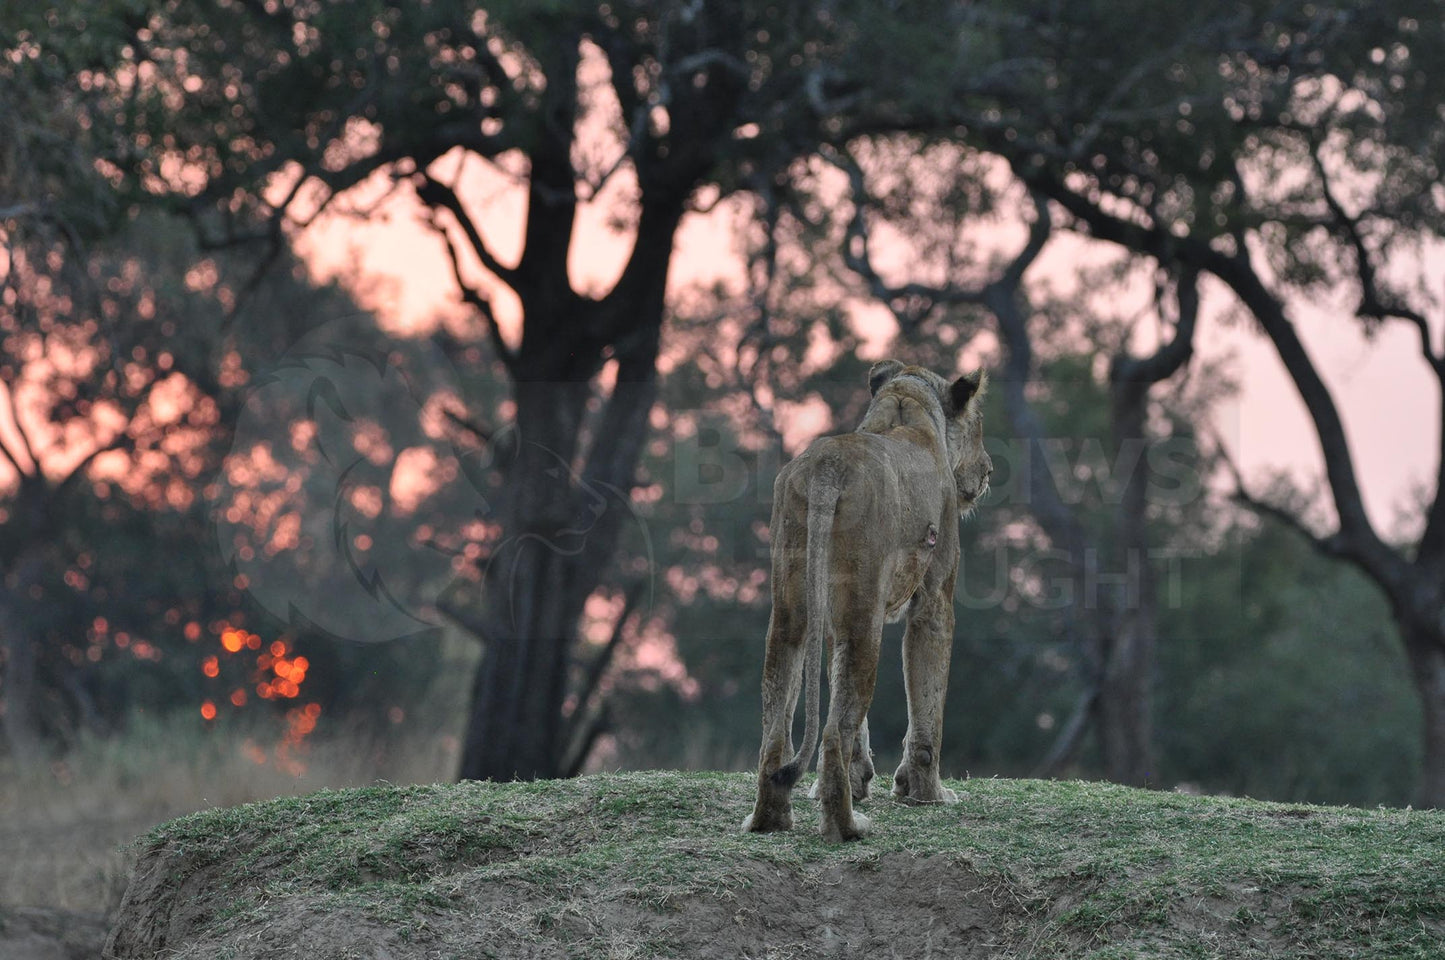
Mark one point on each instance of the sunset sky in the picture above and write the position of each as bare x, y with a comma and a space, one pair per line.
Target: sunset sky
1389, 403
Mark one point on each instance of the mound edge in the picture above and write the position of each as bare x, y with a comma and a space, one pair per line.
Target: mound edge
653, 865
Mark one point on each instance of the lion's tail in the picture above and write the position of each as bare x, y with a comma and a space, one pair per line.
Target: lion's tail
822, 504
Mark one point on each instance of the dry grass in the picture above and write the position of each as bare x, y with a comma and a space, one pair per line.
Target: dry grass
66, 827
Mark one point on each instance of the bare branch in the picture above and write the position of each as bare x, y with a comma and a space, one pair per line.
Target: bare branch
11, 457
1373, 302
603, 658
20, 431
17, 210
15, 418
1357, 534
434, 193
1331, 545
470, 426
598, 721
1165, 361
912, 303
482, 304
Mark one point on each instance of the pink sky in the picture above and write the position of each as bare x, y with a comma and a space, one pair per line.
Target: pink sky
1389, 402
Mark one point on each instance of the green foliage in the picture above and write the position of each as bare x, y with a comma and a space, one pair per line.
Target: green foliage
1308, 698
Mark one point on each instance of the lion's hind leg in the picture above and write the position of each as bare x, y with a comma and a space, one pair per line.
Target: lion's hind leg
782, 681
860, 766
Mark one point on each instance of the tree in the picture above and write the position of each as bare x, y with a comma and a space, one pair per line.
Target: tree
935, 194
1288, 153
250, 114
123, 362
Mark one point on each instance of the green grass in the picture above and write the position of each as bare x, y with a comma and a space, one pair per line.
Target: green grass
1066, 869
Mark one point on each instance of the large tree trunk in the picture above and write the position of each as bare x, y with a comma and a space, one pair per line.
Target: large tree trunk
569, 484
1124, 706
1425, 649
563, 529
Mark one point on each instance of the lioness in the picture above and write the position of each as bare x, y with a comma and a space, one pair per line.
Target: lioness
865, 529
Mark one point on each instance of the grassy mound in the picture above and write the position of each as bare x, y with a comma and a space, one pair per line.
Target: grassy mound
653, 865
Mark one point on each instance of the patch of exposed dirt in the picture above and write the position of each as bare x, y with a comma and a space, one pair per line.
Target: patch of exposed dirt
898, 906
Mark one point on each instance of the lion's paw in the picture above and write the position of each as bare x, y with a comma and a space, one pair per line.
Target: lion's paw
835, 833
858, 785
915, 786
755, 824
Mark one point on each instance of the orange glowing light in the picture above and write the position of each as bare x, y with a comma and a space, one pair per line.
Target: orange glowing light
193, 631
263, 690
208, 710
313, 710
253, 641
302, 664
233, 641
278, 648
211, 667
238, 697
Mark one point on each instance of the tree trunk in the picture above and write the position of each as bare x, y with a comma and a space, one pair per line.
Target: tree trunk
1425, 649
18, 683
568, 506
1124, 706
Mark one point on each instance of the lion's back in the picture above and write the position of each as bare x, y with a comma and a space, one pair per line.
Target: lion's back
883, 484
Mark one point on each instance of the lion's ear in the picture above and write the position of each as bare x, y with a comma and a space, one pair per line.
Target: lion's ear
966, 388
881, 373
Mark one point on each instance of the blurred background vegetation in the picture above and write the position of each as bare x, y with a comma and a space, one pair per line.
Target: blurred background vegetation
257, 534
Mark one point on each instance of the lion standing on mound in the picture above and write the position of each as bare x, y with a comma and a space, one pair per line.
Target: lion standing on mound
865, 530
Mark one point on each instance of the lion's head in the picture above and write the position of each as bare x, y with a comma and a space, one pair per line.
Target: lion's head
901, 392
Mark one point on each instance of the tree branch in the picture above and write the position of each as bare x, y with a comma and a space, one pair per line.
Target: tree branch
1170, 356
434, 194
1373, 303
912, 303
482, 304
599, 721
603, 659
1331, 545
1356, 532
25, 445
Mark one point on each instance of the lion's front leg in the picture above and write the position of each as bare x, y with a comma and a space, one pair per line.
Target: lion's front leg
927, 649
853, 673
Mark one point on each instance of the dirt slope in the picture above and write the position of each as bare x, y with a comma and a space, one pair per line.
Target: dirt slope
652, 865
